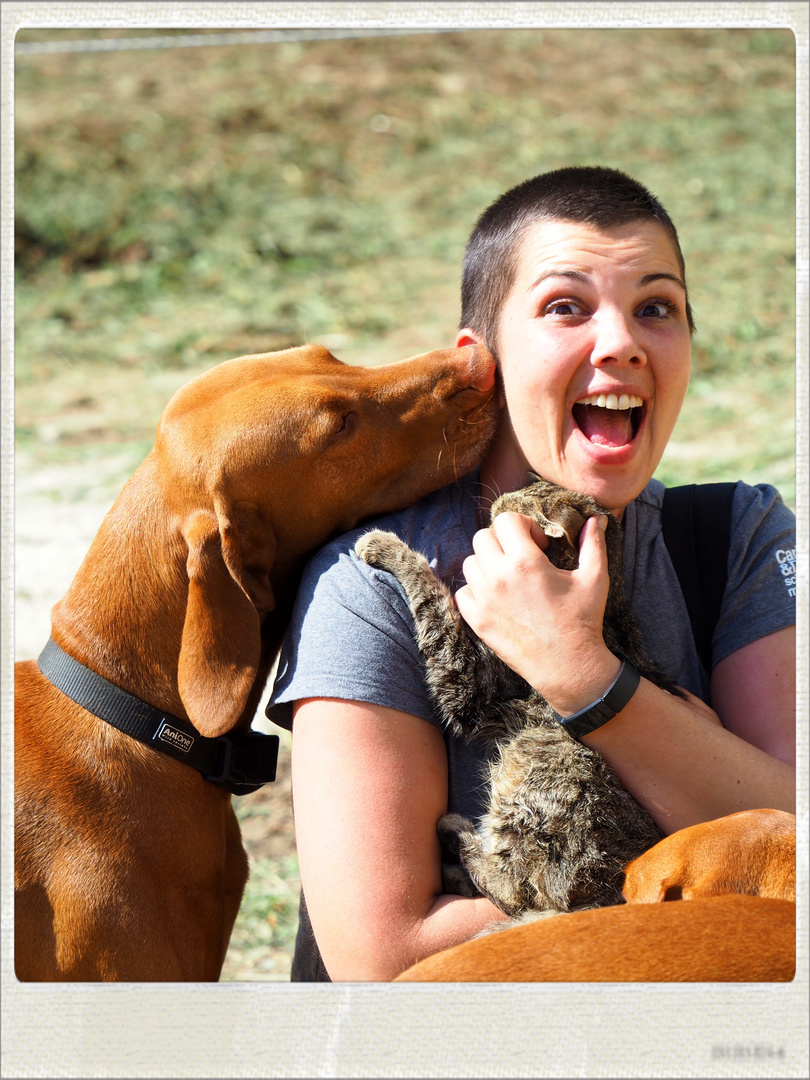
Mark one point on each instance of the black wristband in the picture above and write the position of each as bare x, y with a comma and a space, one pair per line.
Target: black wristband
613, 701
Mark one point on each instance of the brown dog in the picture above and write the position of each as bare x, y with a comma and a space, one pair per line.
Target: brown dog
711, 939
751, 852
128, 863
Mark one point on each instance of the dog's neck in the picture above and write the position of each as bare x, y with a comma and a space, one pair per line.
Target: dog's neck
122, 562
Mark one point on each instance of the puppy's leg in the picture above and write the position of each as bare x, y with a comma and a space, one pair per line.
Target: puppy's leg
465, 678
457, 882
430, 601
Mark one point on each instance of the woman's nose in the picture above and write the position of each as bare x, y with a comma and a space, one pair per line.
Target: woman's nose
617, 339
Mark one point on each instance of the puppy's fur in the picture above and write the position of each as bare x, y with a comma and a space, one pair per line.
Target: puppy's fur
560, 828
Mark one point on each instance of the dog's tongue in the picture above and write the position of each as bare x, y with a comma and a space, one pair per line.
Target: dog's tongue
606, 427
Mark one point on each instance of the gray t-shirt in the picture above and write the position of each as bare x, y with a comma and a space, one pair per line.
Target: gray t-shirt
351, 635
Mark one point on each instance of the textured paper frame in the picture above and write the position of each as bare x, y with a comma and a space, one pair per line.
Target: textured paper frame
363, 1030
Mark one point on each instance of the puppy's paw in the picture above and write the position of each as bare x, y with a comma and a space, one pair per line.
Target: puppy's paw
529, 504
457, 882
379, 549
559, 513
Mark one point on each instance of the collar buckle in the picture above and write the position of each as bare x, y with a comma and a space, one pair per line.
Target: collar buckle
248, 759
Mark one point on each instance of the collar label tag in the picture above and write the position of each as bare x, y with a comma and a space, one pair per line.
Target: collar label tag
174, 737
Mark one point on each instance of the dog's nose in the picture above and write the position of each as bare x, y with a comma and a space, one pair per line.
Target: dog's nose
481, 367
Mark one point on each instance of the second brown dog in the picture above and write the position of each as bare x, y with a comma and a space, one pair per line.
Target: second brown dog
711, 939
752, 852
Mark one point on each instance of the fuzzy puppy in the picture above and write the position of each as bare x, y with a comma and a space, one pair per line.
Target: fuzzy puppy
560, 828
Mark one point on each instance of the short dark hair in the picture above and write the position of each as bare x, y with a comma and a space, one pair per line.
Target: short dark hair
593, 195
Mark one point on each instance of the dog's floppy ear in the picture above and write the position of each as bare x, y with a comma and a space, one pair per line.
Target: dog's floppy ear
220, 648
249, 549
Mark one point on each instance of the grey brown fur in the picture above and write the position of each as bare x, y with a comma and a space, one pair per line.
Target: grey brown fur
560, 828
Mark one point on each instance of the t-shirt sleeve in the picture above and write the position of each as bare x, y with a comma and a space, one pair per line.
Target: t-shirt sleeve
760, 596
351, 637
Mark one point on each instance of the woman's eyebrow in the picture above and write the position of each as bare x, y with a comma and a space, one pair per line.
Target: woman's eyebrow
573, 275
584, 279
648, 279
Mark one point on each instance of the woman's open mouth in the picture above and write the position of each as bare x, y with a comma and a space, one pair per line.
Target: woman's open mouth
609, 419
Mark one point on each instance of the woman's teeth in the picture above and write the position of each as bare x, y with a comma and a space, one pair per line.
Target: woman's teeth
609, 419
613, 401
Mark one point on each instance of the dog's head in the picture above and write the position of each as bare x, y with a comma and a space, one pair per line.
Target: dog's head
264, 457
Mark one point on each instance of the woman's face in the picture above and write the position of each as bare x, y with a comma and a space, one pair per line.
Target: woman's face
595, 351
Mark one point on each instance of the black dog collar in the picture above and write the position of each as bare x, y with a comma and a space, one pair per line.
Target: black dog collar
241, 761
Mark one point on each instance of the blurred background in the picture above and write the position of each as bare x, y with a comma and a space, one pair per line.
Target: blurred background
175, 207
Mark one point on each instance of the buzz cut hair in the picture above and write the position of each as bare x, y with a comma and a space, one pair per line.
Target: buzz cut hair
587, 194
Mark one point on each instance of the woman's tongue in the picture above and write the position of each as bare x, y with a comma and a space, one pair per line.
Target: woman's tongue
605, 427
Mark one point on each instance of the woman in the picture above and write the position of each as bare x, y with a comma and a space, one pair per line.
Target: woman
576, 282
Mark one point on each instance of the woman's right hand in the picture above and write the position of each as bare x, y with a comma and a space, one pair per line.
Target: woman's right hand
510, 579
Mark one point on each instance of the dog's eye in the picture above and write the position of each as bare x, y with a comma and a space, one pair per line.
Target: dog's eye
336, 421
347, 423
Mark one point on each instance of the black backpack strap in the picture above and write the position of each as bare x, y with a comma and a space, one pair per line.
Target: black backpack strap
696, 522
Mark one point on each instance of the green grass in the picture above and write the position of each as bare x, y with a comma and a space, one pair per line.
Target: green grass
174, 209
264, 936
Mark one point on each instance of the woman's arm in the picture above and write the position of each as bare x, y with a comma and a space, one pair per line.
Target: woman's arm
754, 692
684, 767
683, 762
369, 785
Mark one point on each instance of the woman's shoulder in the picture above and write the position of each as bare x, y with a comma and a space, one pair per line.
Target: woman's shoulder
746, 526
351, 633
440, 526
755, 501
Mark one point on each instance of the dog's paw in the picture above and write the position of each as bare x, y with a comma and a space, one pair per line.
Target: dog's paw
379, 549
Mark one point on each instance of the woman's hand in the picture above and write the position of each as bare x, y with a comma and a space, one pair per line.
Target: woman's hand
543, 622
683, 761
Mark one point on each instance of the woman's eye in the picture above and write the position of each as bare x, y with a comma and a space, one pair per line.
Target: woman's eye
657, 309
564, 307
347, 423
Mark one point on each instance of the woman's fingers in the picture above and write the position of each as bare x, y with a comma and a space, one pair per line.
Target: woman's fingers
506, 547
593, 549
530, 612
518, 534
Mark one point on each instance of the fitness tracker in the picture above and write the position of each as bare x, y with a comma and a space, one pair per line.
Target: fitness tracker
612, 701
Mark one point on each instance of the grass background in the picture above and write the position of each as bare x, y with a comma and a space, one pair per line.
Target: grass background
175, 208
